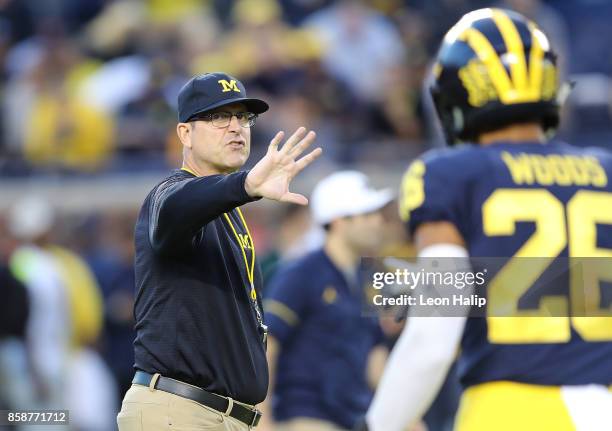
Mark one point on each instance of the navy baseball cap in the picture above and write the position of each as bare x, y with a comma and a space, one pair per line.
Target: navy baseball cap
212, 90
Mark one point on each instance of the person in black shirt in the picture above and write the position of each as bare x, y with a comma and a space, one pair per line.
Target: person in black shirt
200, 338
14, 307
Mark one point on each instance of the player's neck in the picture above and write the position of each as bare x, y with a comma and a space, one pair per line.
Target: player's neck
341, 254
527, 132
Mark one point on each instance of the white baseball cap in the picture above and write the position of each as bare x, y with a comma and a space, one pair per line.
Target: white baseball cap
30, 217
346, 193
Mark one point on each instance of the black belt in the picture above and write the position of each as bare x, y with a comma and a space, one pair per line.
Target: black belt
221, 404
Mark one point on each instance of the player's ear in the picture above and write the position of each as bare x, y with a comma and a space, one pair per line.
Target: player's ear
184, 130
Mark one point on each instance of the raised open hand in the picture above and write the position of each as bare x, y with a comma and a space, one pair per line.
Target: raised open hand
271, 176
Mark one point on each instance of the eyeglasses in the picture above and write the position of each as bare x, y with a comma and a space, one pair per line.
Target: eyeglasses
223, 119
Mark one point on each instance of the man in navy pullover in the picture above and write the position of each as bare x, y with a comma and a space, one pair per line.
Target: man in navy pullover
200, 339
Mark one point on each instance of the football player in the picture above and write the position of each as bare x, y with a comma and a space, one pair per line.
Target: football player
510, 192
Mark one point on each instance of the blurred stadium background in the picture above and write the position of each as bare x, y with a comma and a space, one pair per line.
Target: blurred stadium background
88, 126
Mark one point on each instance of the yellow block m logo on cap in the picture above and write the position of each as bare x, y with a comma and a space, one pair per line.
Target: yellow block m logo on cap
229, 86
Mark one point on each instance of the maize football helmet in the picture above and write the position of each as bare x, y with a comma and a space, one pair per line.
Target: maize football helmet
494, 68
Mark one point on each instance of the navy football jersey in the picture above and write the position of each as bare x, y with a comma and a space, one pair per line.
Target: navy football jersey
525, 200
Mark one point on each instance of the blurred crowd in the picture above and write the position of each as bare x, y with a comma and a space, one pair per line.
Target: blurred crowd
89, 86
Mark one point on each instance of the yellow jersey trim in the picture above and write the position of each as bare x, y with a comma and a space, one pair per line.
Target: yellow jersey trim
282, 311
188, 170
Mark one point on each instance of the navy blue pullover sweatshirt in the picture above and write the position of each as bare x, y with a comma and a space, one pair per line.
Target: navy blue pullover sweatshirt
195, 320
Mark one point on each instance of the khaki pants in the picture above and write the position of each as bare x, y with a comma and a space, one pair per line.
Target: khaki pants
146, 409
307, 424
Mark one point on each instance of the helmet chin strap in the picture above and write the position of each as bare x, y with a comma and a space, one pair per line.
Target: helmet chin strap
564, 91
563, 94
458, 119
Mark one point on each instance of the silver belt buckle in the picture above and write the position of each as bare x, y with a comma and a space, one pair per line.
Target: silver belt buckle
256, 418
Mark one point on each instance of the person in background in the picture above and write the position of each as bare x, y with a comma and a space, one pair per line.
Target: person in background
66, 320
14, 311
324, 356
30, 221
